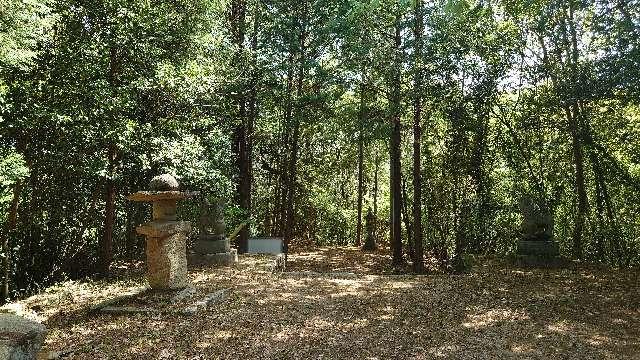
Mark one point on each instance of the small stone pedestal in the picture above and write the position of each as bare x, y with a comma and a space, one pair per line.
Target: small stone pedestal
166, 237
212, 246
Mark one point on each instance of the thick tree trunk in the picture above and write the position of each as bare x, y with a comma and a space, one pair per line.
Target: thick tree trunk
604, 228
290, 187
575, 128
396, 187
241, 134
418, 262
477, 172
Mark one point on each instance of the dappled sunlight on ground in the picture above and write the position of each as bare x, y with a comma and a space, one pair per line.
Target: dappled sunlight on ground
337, 303
494, 317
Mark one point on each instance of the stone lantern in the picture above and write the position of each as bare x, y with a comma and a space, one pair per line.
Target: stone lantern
166, 236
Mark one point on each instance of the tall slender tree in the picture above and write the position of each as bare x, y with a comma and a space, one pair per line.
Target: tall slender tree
418, 30
395, 140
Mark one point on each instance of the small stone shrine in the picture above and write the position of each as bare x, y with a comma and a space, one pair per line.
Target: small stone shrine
166, 237
537, 230
213, 246
370, 240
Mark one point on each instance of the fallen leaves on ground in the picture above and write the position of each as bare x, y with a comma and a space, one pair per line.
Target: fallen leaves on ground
340, 303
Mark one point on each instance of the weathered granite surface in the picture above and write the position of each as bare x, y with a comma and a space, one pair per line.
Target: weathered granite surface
20, 338
163, 229
167, 261
164, 182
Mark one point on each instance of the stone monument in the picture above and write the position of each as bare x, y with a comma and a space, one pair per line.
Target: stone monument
213, 246
166, 237
536, 231
370, 240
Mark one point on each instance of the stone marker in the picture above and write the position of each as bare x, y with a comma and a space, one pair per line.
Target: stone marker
370, 240
537, 230
212, 246
20, 338
166, 237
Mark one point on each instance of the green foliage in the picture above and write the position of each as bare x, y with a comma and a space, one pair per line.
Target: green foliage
12, 169
96, 93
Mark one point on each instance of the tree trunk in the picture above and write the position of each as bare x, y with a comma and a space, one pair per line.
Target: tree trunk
106, 244
580, 185
241, 146
251, 121
418, 262
604, 203
293, 159
396, 190
572, 112
284, 156
573, 118
360, 162
375, 185
12, 221
407, 219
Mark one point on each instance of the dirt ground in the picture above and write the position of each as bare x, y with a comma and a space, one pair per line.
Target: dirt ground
334, 304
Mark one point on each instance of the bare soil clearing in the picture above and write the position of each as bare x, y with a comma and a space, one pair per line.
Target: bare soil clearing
334, 304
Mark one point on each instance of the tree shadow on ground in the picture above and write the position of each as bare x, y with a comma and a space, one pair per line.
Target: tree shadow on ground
339, 308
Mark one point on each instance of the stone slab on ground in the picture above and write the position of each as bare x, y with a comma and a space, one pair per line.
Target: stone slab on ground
210, 299
271, 245
128, 310
186, 293
330, 275
20, 338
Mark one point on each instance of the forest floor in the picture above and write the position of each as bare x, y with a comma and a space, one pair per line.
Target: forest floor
333, 303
